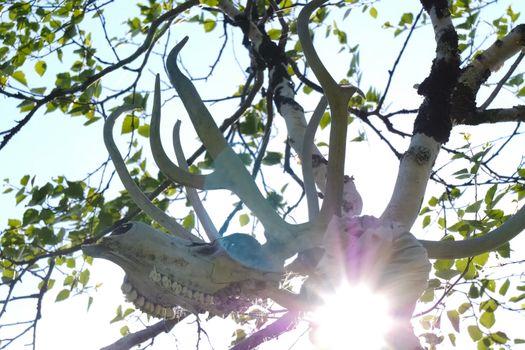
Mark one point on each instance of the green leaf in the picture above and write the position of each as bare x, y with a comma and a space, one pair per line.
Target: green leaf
8, 275
90, 302
189, 221
30, 216
481, 259
462, 265
489, 196
274, 34
74, 189
128, 312
504, 287
447, 274
40, 194
325, 120
71, 263
130, 123
517, 298
489, 305
426, 221
246, 158
272, 158
474, 207
453, 316
14, 223
406, 18
209, 2
24, 180
499, 337
464, 307
143, 130
69, 280
20, 77
84, 277
62, 295
487, 319
119, 316
209, 25
452, 338
40, 67
433, 201
47, 215
473, 292
474, 332
124, 330
443, 264
373, 12
427, 296
504, 250
244, 219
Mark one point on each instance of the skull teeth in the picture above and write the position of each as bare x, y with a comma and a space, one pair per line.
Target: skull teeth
132, 295
126, 288
139, 302
149, 307
169, 313
179, 289
176, 287
155, 276
145, 305
159, 310
166, 283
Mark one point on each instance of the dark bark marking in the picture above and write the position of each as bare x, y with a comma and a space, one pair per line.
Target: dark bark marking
421, 155
440, 5
317, 160
434, 118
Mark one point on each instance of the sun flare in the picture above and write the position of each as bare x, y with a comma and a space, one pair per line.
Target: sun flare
353, 317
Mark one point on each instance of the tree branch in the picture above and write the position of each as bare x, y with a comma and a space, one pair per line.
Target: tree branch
134, 339
282, 325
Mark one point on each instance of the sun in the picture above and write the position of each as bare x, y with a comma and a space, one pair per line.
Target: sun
352, 317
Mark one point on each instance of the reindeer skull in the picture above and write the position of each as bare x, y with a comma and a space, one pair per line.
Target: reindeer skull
163, 271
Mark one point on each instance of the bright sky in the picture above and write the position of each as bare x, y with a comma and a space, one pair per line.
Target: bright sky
53, 144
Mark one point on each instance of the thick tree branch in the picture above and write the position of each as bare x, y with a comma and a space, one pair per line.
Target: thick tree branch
433, 125
476, 73
497, 115
502, 81
282, 325
134, 339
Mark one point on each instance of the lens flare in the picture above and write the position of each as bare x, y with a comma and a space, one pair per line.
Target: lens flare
351, 318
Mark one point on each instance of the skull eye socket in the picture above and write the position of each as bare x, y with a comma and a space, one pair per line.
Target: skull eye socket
122, 229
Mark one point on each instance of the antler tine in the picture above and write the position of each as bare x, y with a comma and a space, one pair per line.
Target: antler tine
229, 168
338, 97
307, 168
172, 171
191, 192
474, 246
134, 191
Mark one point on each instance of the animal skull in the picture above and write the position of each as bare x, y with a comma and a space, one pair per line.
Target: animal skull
164, 272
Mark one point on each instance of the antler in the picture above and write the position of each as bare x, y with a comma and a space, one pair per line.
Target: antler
134, 191
338, 97
230, 172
